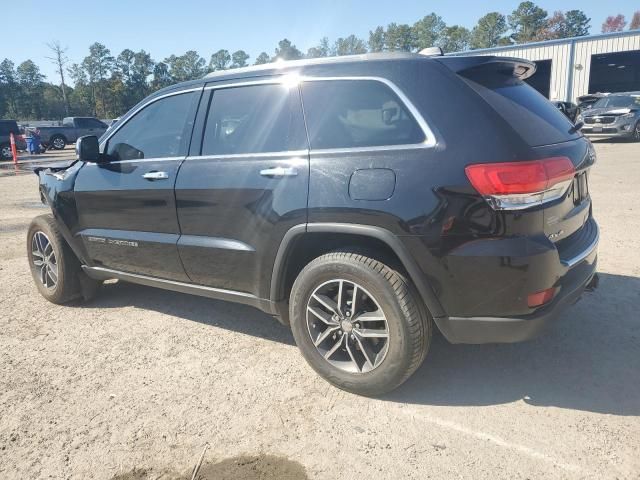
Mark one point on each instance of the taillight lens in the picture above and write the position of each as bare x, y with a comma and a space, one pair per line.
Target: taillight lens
517, 185
540, 298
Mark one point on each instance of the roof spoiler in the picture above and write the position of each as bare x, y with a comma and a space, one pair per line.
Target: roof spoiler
518, 67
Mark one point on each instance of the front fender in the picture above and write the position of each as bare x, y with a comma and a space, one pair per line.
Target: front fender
57, 191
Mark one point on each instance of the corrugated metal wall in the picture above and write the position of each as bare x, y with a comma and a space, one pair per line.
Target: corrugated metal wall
559, 52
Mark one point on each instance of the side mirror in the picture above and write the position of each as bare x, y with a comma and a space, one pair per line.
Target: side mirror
87, 149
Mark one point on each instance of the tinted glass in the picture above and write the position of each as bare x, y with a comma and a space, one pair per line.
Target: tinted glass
93, 123
530, 114
254, 119
9, 127
618, 101
162, 129
357, 113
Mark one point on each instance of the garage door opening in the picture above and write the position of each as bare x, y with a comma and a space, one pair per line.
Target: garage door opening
541, 80
615, 72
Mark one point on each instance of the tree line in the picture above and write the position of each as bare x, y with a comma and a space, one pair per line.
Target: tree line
106, 85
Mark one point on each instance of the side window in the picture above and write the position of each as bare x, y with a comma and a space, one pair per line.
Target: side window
356, 113
162, 129
254, 119
94, 123
82, 123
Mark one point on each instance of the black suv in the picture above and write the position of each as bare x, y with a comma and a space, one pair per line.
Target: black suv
362, 200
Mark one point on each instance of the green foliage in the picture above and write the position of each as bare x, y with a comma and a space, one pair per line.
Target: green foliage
489, 30
262, 59
220, 60
239, 59
455, 39
287, 51
351, 45
376, 39
321, 50
428, 30
526, 21
399, 37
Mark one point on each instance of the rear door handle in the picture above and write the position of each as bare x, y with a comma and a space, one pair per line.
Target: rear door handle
155, 176
279, 172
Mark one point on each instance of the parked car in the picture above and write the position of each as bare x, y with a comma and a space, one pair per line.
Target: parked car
363, 222
72, 128
616, 115
585, 102
8, 127
569, 109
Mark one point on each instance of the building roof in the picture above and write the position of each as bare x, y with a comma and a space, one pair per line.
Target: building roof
544, 43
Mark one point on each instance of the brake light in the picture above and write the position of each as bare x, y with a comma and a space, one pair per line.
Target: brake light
540, 298
517, 185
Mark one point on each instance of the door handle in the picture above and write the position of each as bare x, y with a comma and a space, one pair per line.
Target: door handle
279, 172
155, 176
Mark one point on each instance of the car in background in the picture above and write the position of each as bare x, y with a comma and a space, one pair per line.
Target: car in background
7, 127
569, 109
585, 102
616, 115
72, 128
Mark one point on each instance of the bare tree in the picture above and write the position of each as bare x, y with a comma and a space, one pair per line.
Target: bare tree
60, 59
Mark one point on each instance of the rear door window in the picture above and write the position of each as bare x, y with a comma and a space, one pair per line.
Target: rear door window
254, 119
531, 115
356, 114
9, 127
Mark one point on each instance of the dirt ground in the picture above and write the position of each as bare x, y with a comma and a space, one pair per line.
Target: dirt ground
134, 384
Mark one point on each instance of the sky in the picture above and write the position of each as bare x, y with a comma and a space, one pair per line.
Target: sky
163, 28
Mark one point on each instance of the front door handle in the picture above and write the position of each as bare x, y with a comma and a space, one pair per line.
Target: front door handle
279, 172
155, 176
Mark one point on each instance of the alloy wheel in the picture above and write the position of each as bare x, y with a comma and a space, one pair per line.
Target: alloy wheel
58, 143
636, 132
6, 152
347, 326
44, 259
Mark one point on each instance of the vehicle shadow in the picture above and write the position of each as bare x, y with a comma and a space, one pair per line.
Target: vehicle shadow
227, 315
588, 360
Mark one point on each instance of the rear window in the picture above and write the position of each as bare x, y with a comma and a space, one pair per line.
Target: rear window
530, 114
357, 113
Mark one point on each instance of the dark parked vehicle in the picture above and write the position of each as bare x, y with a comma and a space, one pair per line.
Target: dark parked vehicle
72, 128
364, 220
616, 115
585, 102
7, 127
569, 109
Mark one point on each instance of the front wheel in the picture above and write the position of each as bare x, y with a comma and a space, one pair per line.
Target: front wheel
359, 323
636, 132
55, 269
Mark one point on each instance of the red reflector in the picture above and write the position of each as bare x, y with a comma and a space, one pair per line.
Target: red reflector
540, 298
519, 177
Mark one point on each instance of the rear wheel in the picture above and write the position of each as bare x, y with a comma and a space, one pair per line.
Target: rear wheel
55, 269
5, 151
358, 322
58, 142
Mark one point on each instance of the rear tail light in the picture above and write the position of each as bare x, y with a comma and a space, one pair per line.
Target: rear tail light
518, 185
540, 298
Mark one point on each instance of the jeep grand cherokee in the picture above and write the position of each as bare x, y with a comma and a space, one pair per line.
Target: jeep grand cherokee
364, 201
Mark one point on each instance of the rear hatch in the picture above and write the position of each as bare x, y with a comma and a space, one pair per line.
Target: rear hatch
554, 178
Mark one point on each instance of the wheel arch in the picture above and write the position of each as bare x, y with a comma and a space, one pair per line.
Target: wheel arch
315, 239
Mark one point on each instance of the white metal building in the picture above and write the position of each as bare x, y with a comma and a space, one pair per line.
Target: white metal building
571, 67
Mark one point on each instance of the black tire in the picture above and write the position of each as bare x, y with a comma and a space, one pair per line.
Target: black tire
5, 151
635, 137
58, 142
409, 324
67, 285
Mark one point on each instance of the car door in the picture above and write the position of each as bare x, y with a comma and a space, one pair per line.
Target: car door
246, 185
126, 205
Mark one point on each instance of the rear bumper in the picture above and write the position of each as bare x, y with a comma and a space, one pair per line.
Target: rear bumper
580, 275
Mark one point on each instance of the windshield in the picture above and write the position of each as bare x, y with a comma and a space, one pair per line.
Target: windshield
617, 101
